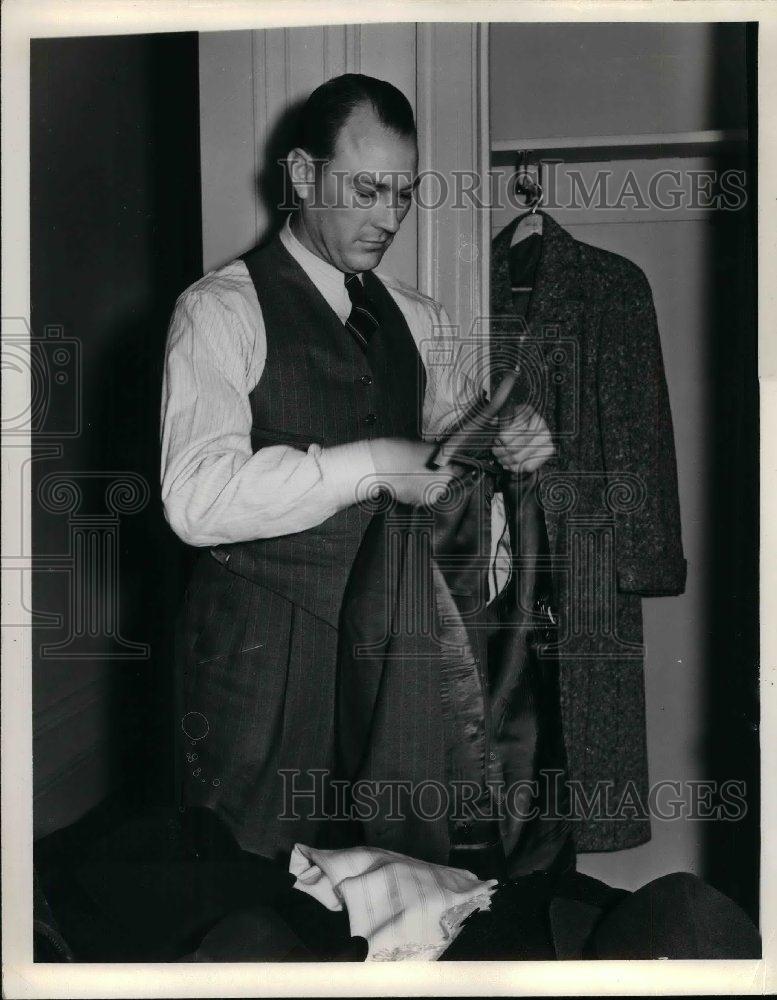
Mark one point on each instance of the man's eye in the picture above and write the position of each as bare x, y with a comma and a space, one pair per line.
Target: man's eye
364, 194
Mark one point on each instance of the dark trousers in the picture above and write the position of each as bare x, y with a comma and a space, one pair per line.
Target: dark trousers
256, 709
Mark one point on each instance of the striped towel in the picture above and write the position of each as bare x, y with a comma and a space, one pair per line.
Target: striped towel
405, 908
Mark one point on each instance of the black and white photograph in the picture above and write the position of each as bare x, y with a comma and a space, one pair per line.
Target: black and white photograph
384, 526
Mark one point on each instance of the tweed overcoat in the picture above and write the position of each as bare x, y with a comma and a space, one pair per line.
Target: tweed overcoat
591, 356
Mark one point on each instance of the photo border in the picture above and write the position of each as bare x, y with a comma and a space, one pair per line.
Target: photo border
26, 19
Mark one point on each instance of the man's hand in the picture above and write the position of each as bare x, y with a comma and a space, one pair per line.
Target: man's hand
524, 443
402, 467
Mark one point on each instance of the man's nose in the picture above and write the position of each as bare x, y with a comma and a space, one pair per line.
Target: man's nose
390, 218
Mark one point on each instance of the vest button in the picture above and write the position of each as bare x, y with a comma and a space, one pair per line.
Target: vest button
370, 418
366, 379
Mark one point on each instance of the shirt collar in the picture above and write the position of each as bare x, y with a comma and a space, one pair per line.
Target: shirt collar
327, 279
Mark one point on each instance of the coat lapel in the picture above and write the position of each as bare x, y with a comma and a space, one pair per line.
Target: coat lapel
555, 331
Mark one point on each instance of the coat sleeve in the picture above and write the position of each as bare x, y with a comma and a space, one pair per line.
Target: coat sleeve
635, 423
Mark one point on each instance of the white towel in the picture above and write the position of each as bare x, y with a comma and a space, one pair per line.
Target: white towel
405, 908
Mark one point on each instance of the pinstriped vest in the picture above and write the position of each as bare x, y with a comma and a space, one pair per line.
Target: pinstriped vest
319, 386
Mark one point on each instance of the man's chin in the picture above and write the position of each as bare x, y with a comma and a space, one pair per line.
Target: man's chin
366, 259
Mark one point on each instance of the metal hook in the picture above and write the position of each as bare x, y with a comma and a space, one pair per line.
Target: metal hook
537, 200
528, 187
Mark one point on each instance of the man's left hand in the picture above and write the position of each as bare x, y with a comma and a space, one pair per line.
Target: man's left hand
523, 444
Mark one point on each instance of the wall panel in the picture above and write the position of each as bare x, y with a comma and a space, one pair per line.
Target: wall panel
249, 81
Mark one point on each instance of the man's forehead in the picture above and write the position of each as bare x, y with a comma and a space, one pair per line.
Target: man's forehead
366, 144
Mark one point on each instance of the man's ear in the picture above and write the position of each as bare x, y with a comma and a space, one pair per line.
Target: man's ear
302, 170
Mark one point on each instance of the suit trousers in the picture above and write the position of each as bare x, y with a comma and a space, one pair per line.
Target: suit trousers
256, 709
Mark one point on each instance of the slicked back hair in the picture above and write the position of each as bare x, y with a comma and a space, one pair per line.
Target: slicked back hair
330, 105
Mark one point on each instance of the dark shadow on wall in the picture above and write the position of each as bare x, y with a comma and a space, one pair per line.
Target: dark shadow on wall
115, 237
273, 183
731, 717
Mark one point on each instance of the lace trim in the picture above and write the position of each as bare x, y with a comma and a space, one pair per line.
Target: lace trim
419, 952
450, 924
453, 918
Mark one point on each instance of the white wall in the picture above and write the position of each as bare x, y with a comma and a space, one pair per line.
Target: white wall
601, 79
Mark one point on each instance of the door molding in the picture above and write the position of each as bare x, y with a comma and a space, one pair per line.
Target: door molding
454, 239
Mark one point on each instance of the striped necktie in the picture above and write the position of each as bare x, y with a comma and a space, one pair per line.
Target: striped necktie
361, 322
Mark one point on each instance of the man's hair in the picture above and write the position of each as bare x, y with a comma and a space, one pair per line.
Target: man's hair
330, 105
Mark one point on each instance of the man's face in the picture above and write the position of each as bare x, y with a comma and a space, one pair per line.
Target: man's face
361, 195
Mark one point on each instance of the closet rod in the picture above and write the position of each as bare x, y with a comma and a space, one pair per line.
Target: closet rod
614, 142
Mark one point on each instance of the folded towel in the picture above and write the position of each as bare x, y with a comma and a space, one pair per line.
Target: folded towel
405, 908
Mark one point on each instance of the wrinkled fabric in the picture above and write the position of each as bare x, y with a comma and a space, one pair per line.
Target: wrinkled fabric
443, 704
405, 909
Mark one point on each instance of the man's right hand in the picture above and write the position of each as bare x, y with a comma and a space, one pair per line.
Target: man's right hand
403, 468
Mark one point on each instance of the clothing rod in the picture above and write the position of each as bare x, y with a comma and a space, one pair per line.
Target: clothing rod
709, 137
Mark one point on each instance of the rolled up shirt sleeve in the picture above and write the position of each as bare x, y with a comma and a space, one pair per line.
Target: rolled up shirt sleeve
215, 489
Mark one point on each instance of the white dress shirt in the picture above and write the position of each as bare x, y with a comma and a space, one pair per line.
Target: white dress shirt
215, 489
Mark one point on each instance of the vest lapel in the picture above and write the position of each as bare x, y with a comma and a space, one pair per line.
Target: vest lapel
304, 278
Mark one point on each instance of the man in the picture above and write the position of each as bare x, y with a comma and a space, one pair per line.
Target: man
295, 379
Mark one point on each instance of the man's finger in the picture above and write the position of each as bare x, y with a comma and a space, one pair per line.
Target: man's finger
522, 413
540, 457
520, 459
525, 447
518, 420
